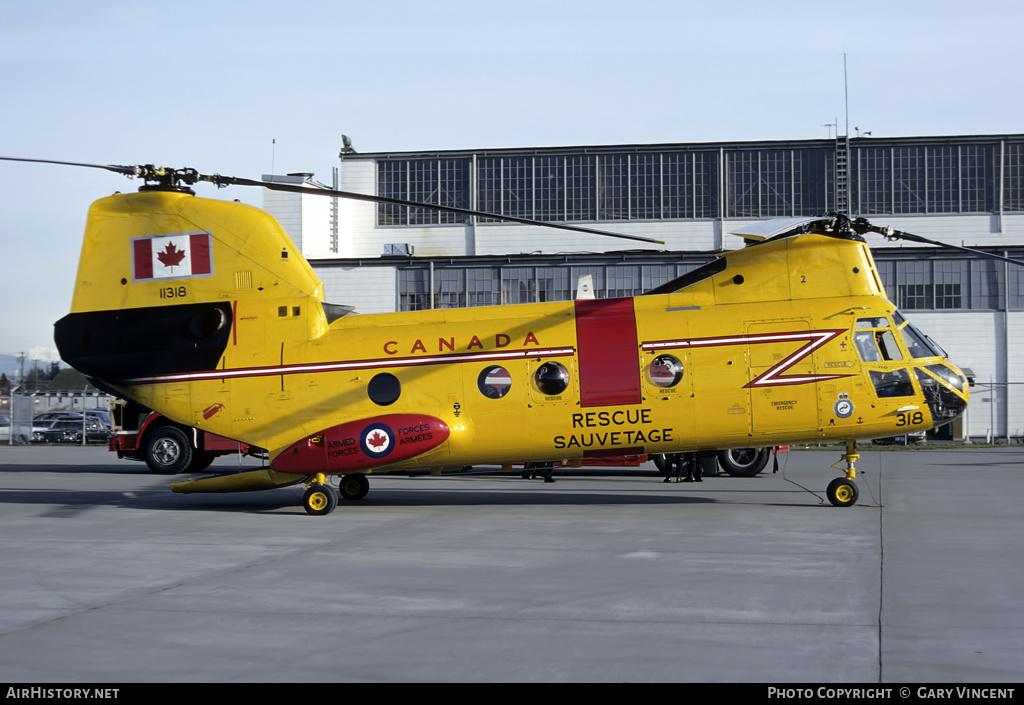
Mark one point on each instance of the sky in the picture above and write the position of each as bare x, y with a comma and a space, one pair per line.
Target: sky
254, 87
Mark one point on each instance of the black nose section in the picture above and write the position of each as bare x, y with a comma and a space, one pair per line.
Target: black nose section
944, 403
950, 406
945, 398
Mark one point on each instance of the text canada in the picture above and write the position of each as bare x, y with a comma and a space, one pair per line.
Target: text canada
453, 343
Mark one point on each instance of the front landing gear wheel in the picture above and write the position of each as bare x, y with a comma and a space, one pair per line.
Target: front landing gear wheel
842, 492
354, 486
319, 500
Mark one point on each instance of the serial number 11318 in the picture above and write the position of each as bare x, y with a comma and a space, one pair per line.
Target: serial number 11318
173, 292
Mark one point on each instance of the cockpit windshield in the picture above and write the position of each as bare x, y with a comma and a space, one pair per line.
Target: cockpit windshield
917, 343
876, 341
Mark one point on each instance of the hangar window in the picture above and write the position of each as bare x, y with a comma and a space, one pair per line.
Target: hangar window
494, 382
942, 178
440, 181
551, 378
666, 371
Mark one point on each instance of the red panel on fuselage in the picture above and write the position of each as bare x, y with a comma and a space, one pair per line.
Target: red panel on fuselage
359, 445
609, 358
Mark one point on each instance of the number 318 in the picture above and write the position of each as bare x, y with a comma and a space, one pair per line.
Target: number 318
910, 419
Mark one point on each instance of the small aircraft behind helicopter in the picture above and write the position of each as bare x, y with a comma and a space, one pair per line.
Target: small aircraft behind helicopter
204, 311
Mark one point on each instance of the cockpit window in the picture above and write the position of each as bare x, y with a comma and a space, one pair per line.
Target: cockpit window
887, 344
866, 347
892, 383
873, 322
915, 342
948, 376
877, 345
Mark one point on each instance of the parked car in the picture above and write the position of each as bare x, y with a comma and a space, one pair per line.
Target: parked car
102, 415
903, 440
70, 429
42, 422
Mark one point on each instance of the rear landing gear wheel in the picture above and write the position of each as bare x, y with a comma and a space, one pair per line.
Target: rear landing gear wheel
354, 486
319, 500
744, 462
842, 492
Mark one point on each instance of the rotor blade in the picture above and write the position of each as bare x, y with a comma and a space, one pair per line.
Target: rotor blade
892, 234
126, 170
776, 227
235, 181
190, 176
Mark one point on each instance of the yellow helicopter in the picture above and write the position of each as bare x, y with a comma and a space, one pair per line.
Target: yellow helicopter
204, 311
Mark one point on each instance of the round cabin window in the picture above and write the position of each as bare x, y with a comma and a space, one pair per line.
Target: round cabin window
552, 378
666, 371
384, 389
494, 382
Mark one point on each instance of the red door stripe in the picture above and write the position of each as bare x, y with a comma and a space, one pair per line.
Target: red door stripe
608, 355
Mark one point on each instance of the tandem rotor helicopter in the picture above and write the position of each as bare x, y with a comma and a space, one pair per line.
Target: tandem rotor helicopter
204, 311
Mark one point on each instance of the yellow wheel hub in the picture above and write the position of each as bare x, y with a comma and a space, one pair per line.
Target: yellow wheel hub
318, 501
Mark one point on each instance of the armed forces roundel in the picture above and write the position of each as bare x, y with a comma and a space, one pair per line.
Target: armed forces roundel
377, 440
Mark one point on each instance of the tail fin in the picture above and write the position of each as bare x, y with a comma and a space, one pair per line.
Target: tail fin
161, 276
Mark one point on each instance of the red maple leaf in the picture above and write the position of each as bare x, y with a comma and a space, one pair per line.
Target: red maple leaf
377, 439
171, 255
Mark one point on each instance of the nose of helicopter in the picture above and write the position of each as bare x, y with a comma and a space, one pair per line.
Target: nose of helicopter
947, 395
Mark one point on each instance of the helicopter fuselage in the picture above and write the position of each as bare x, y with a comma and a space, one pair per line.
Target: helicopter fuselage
787, 341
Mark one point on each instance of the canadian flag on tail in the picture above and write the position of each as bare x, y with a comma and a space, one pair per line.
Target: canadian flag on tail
177, 256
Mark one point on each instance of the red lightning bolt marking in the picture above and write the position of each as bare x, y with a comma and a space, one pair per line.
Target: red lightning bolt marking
773, 377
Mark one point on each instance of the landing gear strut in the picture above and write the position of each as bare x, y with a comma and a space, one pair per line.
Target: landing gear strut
842, 491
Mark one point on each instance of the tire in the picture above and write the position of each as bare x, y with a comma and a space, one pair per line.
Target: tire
842, 492
167, 450
354, 486
661, 463
744, 462
319, 500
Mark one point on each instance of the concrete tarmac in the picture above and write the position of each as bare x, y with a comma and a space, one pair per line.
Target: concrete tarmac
607, 575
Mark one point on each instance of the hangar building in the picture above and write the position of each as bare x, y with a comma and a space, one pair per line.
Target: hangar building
966, 190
